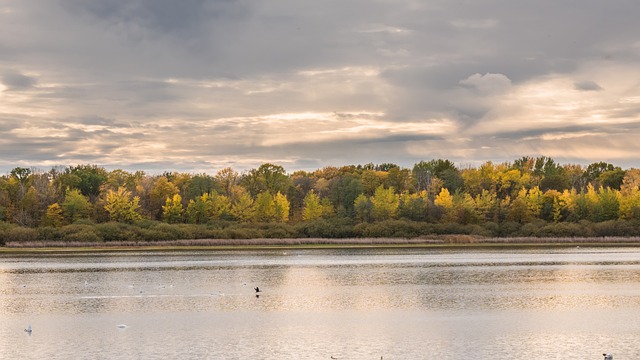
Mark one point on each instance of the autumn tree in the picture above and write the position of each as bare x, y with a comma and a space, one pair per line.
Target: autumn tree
413, 206
172, 210
242, 206
75, 206
53, 217
312, 207
385, 204
161, 190
121, 207
445, 201
268, 177
281, 207
86, 178
363, 208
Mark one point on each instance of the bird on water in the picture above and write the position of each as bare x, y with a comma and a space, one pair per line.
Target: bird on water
607, 356
28, 329
257, 289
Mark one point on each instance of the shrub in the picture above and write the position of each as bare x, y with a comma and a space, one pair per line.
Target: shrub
491, 229
508, 229
391, 228
49, 233
169, 232
613, 228
564, 230
241, 233
83, 236
113, 231
532, 229
80, 232
326, 228
19, 234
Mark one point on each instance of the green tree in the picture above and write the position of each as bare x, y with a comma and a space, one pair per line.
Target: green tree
195, 212
268, 177
413, 206
343, 193
363, 208
75, 206
86, 178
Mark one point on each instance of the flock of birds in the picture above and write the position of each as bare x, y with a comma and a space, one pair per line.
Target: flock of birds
29, 329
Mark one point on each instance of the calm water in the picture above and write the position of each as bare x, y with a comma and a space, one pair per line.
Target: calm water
573, 303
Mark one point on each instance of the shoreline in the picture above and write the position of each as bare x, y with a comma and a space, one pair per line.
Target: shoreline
453, 241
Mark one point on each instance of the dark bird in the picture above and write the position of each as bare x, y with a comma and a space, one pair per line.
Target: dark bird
257, 289
28, 330
607, 356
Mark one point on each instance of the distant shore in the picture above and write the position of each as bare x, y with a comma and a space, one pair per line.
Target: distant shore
309, 243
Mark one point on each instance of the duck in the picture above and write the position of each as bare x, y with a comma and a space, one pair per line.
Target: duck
28, 329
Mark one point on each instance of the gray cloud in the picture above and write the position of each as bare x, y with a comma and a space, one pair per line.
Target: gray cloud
200, 83
14, 80
587, 85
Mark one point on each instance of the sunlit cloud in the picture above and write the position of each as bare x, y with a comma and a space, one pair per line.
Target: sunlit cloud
149, 85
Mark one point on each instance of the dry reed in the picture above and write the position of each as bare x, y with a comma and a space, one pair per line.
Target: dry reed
428, 240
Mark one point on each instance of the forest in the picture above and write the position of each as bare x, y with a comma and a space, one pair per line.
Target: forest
528, 197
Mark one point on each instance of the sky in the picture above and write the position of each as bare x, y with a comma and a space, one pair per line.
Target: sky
200, 85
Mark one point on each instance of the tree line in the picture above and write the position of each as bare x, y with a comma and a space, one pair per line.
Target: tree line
433, 196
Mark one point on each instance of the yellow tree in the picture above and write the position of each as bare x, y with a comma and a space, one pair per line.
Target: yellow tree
208, 206
172, 210
53, 216
534, 201
465, 209
121, 207
413, 206
630, 204
487, 205
445, 200
242, 207
281, 207
385, 203
161, 190
312, 207
263, 209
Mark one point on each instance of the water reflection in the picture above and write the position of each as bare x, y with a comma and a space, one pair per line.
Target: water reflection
356, 303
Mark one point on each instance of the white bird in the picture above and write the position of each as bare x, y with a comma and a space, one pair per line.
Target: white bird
608, 356
122, 326
28, 329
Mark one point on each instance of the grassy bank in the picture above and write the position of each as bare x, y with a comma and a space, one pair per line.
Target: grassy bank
309, 243
321, 233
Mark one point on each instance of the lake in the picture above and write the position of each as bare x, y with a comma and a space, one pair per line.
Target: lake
415, 303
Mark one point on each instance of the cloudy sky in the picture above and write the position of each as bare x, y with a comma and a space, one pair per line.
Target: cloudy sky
199, 85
